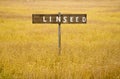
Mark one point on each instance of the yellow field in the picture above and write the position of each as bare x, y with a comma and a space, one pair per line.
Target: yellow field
89, 51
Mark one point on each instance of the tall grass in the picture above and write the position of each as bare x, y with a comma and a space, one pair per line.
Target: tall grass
89, 51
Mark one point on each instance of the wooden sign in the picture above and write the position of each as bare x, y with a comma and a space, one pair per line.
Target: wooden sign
63, 18
59, 19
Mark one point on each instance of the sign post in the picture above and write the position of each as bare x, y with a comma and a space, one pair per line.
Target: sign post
59, 19
59, 34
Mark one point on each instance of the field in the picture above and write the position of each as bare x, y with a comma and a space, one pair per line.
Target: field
89, 51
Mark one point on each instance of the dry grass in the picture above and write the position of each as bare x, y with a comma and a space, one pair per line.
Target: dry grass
90, 51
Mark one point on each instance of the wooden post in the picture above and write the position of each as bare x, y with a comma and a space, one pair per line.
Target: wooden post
59, 34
